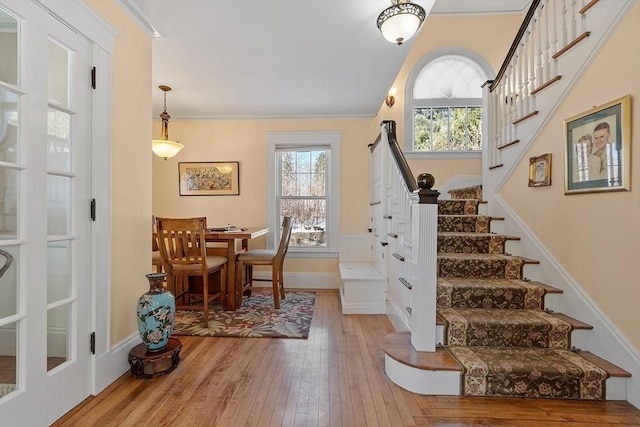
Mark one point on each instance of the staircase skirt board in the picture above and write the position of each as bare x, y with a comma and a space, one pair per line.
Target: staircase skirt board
525, 372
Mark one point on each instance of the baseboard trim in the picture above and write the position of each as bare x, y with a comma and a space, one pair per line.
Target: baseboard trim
110, 365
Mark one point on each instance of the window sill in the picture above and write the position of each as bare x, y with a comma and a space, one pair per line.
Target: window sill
443, 154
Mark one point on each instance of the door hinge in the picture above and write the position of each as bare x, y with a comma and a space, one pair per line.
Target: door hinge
93, 77
93, 209
93, 343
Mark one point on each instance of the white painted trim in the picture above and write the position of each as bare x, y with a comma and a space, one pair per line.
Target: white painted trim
101, 190
397, 316
77, 15
422, 381
443, 155
140, 18
605, 340
413, 75
112, 364
278, 140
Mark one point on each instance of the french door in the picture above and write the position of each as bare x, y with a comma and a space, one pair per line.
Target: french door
45, 226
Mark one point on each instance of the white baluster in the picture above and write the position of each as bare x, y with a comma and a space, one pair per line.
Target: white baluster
573, 32
537, 31
564, 23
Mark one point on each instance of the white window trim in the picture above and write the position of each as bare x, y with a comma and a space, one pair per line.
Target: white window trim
410, 104
280, 140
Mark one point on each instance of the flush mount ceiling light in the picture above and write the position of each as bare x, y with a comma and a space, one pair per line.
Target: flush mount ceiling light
164, 147
401, 21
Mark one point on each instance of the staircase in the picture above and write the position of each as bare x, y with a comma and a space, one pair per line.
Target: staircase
496, 337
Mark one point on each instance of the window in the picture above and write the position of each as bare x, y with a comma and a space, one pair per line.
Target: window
303, 184
444, 112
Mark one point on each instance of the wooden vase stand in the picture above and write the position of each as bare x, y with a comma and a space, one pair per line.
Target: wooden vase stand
148, 364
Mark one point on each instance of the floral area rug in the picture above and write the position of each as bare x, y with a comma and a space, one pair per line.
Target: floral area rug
255, 319
525, 372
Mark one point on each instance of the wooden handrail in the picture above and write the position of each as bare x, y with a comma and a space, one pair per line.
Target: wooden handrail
514, 45
401, 161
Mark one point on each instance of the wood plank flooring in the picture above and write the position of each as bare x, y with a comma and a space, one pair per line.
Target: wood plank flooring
334, 378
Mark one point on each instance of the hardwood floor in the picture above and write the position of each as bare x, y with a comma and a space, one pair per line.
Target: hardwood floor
334, 378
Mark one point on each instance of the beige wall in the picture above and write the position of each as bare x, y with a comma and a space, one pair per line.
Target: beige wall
245, 141
131, 168
489, 36
596, 237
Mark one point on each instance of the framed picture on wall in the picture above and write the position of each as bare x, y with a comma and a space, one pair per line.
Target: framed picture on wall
209, 179
598, 149
540, 170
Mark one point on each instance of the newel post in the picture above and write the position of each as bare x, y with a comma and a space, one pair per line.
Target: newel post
424, 234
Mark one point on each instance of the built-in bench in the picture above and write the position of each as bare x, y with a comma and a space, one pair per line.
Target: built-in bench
363, 289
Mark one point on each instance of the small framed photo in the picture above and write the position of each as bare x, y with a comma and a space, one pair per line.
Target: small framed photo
209, 179
598, 149
540, 170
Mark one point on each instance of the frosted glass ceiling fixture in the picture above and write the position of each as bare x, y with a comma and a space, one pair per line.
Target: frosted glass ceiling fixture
164, 147
401, 21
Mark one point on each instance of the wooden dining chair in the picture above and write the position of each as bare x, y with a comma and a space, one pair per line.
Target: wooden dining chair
274, 258
183, 250
156, 258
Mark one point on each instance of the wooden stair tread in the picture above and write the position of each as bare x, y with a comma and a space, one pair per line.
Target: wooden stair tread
398, 346
575, 323
548, 288
612, 370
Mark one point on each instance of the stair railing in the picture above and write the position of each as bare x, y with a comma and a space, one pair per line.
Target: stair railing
550, 28
404, 216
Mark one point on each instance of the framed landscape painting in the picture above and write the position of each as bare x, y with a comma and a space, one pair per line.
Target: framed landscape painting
209, 179
598, 149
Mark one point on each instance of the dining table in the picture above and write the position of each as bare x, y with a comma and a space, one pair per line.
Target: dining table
237, 241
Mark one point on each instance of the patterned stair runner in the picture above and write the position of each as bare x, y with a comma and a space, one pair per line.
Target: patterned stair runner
494, 321
524, 372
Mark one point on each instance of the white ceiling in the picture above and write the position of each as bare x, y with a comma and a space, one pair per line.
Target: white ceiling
278, 58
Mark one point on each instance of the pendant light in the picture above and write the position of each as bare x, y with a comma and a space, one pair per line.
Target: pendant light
401, 21
164, 147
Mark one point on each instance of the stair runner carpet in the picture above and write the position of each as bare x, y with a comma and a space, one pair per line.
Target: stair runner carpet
494, 321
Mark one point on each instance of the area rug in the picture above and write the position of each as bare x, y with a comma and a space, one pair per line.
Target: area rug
255, 319
526, 372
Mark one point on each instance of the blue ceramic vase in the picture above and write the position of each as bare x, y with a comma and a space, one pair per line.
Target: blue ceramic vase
156, 311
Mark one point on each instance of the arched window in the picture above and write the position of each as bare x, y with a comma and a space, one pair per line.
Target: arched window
444, 108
